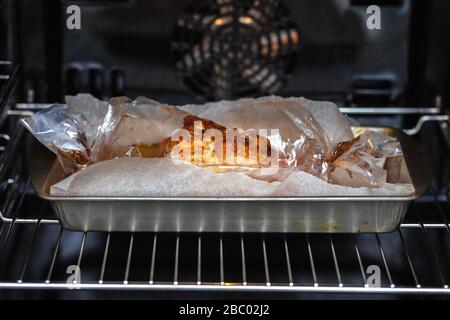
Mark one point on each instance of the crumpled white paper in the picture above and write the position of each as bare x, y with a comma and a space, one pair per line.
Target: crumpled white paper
159, 177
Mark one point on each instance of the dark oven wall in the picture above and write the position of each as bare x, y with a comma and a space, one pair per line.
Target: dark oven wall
337, 53
136, 47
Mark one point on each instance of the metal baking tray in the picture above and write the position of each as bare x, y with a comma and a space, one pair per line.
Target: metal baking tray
288, 214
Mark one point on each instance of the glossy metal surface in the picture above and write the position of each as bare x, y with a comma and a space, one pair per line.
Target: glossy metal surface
290, 214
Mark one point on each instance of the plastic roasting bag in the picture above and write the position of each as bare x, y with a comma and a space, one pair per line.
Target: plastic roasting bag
301, 135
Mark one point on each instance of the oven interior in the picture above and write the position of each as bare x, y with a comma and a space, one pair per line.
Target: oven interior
179, 52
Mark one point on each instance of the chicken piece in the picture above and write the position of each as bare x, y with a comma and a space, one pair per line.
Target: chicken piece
206, 143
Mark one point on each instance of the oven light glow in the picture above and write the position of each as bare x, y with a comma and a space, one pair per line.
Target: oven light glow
218, 22
245, 20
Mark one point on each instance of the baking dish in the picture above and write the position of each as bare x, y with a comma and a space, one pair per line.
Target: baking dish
330, 214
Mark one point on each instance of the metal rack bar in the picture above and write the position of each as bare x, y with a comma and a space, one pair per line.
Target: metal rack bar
311, 261
12, 221
105, 258
199, 260
423, 120
411, 267
266, 264
244, 268
440, 210
15, 214
288, 263
222, 276
336, 264
130, 251
5, 241
213, 287
152, 264
177, 250
383, 256
425, 225
433, 252
381, 110
77, 279
361, 267
1, 231
55, 253
401, 110
30, 247
80, 254
27, 258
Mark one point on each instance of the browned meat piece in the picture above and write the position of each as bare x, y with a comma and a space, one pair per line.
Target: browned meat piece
207, 151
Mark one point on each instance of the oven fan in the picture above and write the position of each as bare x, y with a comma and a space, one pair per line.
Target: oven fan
228, 49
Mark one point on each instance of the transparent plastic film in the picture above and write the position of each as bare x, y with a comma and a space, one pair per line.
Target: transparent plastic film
266, 139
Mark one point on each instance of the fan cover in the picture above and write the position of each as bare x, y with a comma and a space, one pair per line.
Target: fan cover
235, 48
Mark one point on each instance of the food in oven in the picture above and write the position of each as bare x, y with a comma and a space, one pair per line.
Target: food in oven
268, 144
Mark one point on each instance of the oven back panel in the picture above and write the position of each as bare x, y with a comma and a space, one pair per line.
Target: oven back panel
336, 57
337, 53
129, 47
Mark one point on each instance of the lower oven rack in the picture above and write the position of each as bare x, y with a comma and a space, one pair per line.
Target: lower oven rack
36, 253
323, 267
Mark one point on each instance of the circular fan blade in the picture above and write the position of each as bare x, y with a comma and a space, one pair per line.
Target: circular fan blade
229, 49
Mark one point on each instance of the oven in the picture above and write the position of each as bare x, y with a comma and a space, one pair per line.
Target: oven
391, 72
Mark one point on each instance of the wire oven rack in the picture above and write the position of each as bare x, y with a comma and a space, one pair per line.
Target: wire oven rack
36, 253
8, 81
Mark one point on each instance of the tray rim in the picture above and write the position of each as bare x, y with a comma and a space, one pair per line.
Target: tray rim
233, 199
